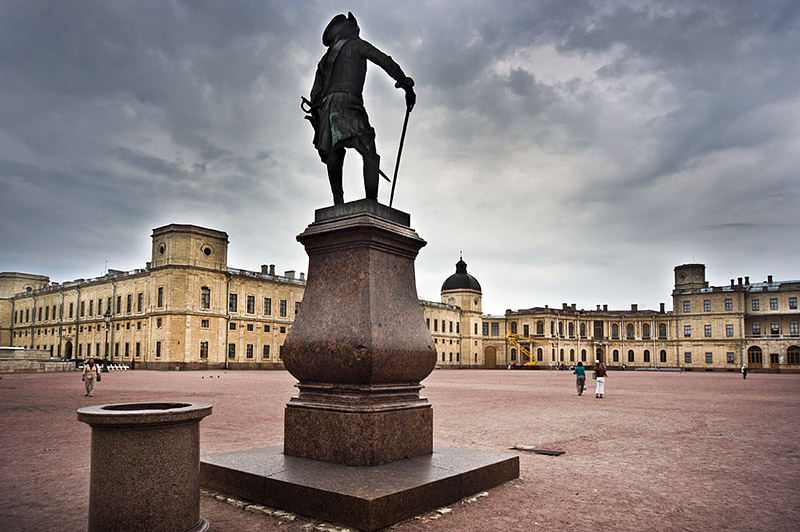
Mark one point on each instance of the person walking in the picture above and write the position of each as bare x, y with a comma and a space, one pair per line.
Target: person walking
744, 372
580, 375
91, 372
600, 373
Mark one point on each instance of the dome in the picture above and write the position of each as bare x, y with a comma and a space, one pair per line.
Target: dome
461, 280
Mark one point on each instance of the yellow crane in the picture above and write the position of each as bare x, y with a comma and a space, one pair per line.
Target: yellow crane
514, 339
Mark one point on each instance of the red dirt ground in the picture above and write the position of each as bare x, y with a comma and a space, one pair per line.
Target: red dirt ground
666, 451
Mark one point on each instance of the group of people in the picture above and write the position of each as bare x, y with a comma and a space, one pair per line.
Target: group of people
600, 374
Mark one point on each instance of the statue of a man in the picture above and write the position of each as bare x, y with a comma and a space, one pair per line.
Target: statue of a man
337, 105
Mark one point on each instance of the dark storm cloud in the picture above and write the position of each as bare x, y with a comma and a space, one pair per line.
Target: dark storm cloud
552, 141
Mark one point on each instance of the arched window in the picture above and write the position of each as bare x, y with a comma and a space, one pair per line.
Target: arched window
572, 355
616, 355
539, 327
583, 355
629, 331
646, 331
614, 331
663, 356
513, 354
583, 330
630, 355
754, 355
662, 330
647, 356
561, 328
561, 356
513, 327
539, 354
793, 355
571, 330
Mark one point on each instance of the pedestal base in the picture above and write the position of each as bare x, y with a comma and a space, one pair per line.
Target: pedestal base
367, 498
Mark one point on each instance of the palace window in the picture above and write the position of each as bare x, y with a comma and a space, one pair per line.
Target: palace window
707, 331
251, 304
160, 300
231, 351
526, 330
583, 355
540, 327
729, 304
283, 308
119, 304
773, 303
663, 356
561, 328
249, 351
729, 330
687, 358
756, 329
614, 331
706, 305
774, 328
283, 329
513, 327
793, 328
793, 355
139, 301
233, 302
203, 349
662, 331
729, 357
297, 309
435, 325
754, 304
687, 331
630, 355
793, 303
572, 355
583, 330
128, 304
266, 328
232, 326
495, 329
629, 331
158, 323
571, 330
205, 297
485, 328
249, 326
687, 306
265, 353
615, 355
647, 356
646, 331
204, 324
158, 349
268, 306
709, 358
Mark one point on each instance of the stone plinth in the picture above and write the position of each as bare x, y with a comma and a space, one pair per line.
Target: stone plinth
145, 466
359, 345
367, 498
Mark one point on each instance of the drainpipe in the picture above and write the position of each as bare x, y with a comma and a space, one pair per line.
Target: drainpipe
228, 318
77, 313
11, 324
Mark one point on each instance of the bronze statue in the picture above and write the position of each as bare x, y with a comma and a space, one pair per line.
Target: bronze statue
336, 109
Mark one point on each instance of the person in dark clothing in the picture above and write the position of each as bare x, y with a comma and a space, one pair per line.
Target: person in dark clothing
580, 373
337, 105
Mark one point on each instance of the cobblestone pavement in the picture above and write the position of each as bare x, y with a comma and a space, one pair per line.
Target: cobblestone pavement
662, 451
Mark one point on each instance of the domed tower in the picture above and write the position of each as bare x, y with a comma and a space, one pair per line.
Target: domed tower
462, 289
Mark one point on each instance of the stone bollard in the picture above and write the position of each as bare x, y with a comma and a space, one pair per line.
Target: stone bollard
145, 469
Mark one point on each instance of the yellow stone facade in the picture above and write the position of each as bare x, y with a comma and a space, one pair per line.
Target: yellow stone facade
188, 309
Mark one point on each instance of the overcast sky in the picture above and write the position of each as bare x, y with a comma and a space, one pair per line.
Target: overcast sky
575, 151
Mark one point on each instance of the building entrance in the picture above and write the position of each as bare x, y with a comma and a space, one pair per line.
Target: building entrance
490, 358
754, 357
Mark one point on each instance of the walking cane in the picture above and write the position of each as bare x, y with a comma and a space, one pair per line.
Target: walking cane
399, 153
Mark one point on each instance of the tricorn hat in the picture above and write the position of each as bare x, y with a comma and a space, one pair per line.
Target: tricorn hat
335, 27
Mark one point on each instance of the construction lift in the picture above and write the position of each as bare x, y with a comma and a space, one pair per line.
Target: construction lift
515, 339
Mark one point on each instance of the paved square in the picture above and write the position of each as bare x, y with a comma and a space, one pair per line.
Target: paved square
667, 451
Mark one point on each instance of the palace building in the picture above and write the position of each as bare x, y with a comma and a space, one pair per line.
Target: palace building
187, 309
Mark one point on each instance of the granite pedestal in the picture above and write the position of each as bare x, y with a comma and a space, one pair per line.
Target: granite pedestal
365, 497
145, 470
358, 436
